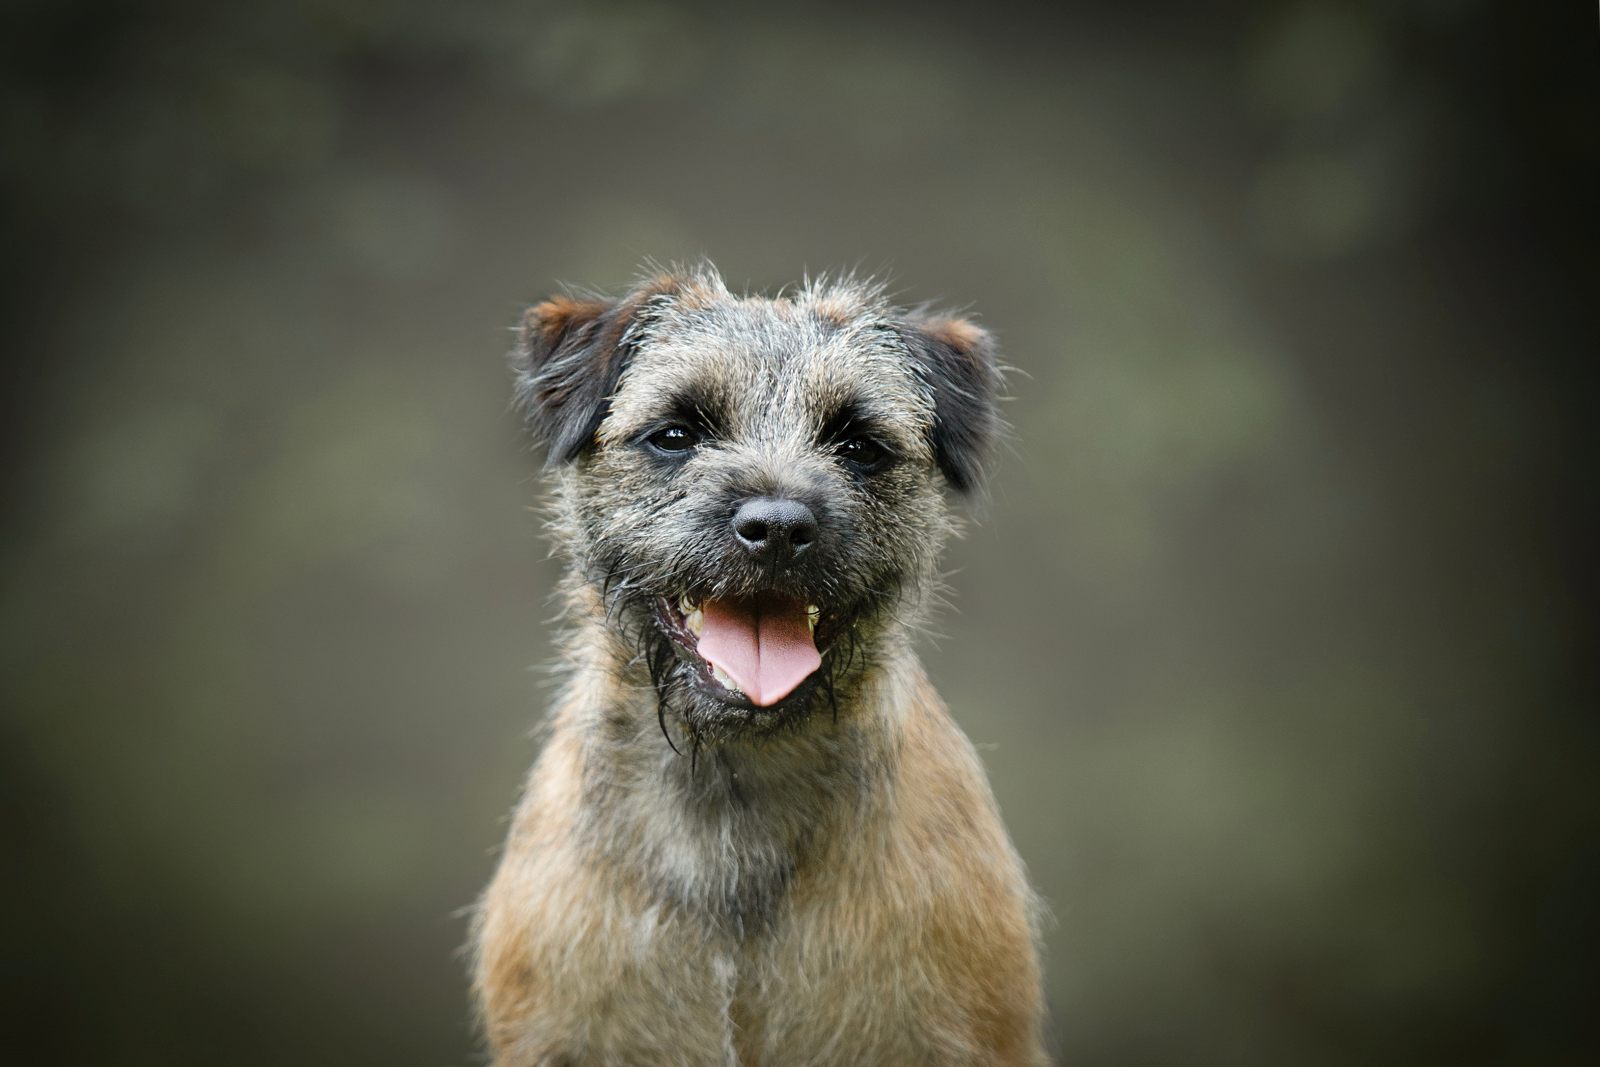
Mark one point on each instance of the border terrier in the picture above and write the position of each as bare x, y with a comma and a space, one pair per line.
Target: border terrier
754, 834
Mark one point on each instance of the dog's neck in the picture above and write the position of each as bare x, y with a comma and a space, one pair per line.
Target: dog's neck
725, 825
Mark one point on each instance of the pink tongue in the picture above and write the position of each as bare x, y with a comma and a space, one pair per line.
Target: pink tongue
765, 646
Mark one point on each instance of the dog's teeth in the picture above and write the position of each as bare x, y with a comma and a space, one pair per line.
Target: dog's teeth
695, 620
813, 613
724, 680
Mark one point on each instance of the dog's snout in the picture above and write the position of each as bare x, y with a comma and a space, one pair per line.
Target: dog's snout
774, 529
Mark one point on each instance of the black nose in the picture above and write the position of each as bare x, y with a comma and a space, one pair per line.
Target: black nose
774, 530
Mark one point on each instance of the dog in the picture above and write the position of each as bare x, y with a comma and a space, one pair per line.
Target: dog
754, 834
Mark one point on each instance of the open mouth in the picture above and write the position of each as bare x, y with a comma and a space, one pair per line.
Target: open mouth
753, 652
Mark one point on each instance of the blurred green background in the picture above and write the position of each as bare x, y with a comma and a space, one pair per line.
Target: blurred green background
1271, 634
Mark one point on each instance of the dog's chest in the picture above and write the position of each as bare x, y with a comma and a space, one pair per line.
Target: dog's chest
730, 866
802, 993
792, 992
727, 841
770, 892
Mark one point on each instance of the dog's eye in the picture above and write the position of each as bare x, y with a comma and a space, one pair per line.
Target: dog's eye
673, 440
863, 453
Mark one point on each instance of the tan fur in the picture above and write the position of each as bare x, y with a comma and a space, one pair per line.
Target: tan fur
838, 892
906, 939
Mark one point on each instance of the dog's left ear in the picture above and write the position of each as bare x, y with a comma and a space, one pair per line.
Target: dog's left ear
569, 356
959, 363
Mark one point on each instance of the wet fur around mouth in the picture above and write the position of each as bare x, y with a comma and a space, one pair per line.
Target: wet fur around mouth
689, 696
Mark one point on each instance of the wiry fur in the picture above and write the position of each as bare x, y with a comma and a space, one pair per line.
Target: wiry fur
825, 884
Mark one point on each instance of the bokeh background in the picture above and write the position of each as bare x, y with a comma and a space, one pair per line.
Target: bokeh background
1273, 634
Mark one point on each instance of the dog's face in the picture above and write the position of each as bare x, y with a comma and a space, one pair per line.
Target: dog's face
755, 486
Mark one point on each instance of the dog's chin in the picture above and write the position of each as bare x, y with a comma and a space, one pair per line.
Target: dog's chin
714, 717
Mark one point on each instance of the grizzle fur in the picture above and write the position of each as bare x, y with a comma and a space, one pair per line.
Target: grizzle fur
826, 885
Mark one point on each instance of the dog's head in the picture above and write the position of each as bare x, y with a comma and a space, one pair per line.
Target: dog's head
755, 487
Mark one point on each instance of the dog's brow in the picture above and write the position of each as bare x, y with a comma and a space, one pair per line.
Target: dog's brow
701, 408
852, 411
849, 415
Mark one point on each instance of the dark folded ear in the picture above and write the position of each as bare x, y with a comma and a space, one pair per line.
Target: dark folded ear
959, 363
569, 356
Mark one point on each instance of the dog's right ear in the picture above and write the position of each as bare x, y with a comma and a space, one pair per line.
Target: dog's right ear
569, 356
